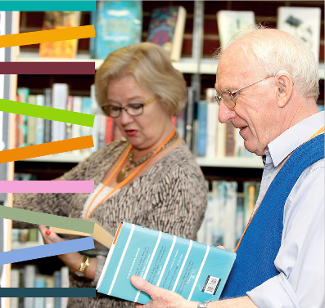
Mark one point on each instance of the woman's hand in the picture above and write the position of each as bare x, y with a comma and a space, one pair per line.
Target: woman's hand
160, 298
72, 259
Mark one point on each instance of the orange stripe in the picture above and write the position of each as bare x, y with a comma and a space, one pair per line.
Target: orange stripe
46, 149
118, 233
44, 36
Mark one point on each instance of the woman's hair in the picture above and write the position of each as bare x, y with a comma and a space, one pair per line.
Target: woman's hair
150, 65
280, 51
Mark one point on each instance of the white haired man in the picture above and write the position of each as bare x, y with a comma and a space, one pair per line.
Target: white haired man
267, 85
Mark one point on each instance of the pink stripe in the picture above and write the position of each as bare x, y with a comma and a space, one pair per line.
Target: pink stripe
46, 186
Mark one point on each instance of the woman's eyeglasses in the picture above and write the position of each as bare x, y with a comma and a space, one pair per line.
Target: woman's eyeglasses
134, 110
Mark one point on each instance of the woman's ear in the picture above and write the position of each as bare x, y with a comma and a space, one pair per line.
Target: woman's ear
285, 88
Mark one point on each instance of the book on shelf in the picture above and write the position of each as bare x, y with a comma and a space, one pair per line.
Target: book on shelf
202, 109
302, 22
47, 123
212, 121
189, 117
39, 122
229, 22
117, 24
166, 28
31, 127
194, 270
100, 234
60, 20
22, 121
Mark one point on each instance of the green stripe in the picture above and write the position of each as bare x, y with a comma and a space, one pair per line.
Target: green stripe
48, 5
47, 113
38, 218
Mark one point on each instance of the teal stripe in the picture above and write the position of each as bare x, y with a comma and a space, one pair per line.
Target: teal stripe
38, 218
48, 113
89, 5
47, 292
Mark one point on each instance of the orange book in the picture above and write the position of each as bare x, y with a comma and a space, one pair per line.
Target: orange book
59, 20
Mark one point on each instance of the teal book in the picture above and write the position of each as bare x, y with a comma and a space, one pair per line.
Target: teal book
196, 271
118, 24
202, 109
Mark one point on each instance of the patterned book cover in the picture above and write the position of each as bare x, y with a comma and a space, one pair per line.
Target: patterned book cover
117, 24
59, 20
194, 270
166, 28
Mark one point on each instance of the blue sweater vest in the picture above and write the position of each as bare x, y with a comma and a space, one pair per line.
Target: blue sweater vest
260, 245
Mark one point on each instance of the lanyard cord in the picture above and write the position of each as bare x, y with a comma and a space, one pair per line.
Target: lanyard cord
253, 214
127, 179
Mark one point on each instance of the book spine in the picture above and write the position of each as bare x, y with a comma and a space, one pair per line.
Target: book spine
39, 302
40, 123
230, 139
202, 128
64, 284
109, 130
69, 125
31, 127
59, 101
212, 120
24, 92
221, 140
57, 284
189, 117
180, 124
47, 123
95, 111
29, 282
102, 131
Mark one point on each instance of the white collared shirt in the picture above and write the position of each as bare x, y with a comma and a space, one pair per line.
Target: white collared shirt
300, 260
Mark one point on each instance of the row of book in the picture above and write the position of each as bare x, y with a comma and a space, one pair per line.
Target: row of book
29, 277
119, 23
228, 212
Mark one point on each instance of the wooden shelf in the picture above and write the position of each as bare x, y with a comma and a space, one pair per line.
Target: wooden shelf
226, 162
185, 65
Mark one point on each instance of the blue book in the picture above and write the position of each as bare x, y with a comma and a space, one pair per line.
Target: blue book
202, 108
195, 271
118, 24
39, 302
57, 284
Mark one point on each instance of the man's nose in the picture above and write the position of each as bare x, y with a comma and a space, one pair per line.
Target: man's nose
225, 114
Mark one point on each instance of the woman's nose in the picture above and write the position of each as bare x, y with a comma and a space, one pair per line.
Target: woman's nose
125, 118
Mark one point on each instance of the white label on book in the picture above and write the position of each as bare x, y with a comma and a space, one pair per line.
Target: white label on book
121, 261
211, 285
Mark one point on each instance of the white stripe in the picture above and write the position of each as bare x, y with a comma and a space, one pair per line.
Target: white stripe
121, 260
149, 264
181, 270
199, 272
166, 262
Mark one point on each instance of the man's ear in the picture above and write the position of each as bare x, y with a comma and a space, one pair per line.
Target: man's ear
285, 88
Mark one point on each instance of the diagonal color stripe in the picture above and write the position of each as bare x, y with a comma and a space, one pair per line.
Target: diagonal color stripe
45, 219
48, 5
48, 113
46, 149
44, 36
47, 68
46, 187
47, 292
44, 251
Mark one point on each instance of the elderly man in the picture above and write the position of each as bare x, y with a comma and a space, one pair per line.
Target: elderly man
267, 85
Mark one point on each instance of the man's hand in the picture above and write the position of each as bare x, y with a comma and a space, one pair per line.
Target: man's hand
160, 298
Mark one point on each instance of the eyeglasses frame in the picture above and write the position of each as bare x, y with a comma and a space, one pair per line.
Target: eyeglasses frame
147, 102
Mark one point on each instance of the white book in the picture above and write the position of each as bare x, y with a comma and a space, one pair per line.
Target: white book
302, 22
212, 122
31, 121
221, 140
29, 281
95, 111
239, 144
50, 301
229, 239
14, 283
60, 92
39, 139
64, 284
229, 22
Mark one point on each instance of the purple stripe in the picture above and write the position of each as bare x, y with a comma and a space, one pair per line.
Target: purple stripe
46, 68
46, 186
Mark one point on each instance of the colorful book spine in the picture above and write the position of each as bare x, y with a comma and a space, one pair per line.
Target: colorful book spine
202, 128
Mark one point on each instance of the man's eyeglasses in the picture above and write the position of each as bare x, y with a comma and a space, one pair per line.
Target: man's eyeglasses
134, 110
228, 97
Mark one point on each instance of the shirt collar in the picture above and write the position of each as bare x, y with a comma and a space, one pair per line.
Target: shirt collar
294, 137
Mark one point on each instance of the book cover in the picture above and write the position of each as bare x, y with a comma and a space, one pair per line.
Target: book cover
195, 271
60, 20
302, 22
166, 28
229, 22
202, 109
118, 24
